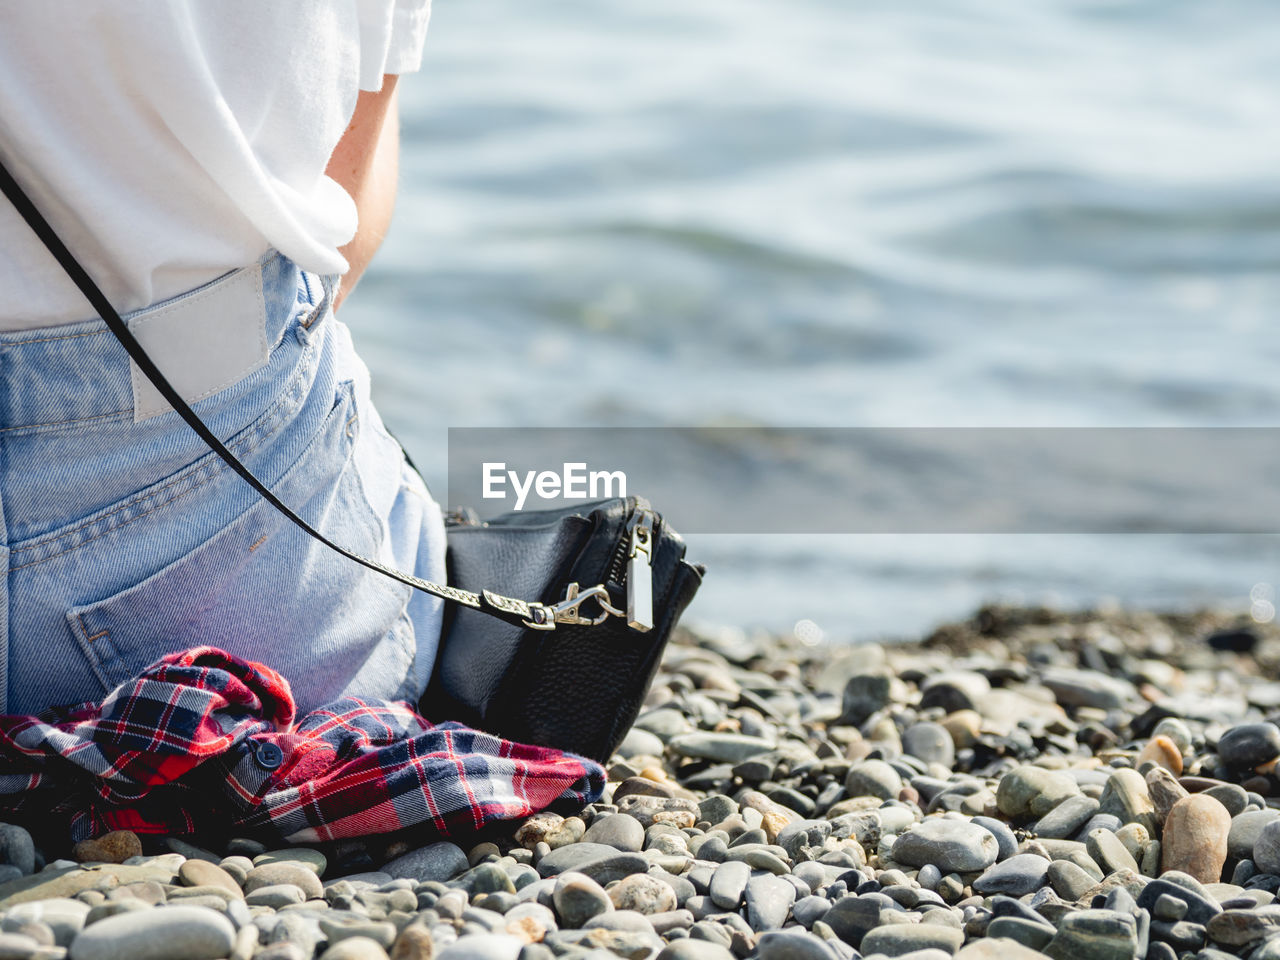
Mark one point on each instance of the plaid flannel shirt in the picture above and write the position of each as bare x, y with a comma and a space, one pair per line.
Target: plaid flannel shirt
202, 739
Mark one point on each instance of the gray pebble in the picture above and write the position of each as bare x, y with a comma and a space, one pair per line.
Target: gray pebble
769, 899
1266, 849
192, 933
1008, 843
578, 898
275, 896
953, 846
873, 778
1245, 830
17, 848
436, 861
1068, 880
894, 940
620, 831
729, 884
1066, 818
793, 945
1019, 875
929, 742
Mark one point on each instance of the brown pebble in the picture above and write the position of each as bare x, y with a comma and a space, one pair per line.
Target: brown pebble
643, 786
537, 828
1165, 791
198, 873
414, 943
114, 847
1195, 838
965, 726
772, 823
527, 929
1163, 752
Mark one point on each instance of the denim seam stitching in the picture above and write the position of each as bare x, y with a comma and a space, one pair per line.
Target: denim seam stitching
135, 501
245, 445
69, 336
122, 524
35, 427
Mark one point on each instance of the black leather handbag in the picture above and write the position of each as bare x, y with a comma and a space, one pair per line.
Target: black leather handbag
614, 574
567, 668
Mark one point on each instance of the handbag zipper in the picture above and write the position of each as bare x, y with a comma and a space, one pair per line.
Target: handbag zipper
640, 573
632, 566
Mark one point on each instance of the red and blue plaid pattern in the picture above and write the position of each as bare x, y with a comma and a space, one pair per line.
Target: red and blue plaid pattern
202, 739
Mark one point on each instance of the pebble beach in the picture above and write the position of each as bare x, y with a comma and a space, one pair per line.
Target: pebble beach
1027, 783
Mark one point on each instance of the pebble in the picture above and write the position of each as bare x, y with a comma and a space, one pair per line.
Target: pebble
201, 873
1194, 841
1266, 848
723, 747
953, 690
313, 859
729, 884
690, 948
1030, 791
114, 847
1126, 797
1249, 745
1246, 828
1162, 752
291, 872
495, 946
930, 742
171, 933
578, 898
899, 939
1095, 935
355, 948
436, 861
642, 893
953, 846
790, 945
17, 848
1067, 817
1007, 843
769, 899
620, 831
873, 778
1019, 875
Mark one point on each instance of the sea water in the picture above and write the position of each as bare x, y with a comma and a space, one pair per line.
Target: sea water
847, 213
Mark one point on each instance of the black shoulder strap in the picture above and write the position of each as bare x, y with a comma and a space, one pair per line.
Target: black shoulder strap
535, 615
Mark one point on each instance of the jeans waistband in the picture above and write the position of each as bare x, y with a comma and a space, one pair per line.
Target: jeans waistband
204, 341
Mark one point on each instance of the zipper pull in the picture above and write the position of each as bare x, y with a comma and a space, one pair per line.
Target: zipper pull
640, 573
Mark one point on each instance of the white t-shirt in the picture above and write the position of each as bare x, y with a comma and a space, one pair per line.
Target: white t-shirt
172, 141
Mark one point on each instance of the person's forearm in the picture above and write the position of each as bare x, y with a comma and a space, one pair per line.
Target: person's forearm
366, 164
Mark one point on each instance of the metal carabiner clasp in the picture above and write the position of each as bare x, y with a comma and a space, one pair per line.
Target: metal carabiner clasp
567, 610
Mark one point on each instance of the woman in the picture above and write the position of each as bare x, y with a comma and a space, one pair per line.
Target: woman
224, 171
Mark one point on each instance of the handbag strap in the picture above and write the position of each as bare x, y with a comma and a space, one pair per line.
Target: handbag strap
538, 616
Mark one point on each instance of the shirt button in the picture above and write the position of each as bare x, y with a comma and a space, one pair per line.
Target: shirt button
268, 755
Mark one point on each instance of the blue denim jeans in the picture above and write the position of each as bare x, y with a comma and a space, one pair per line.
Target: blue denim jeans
124, 539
